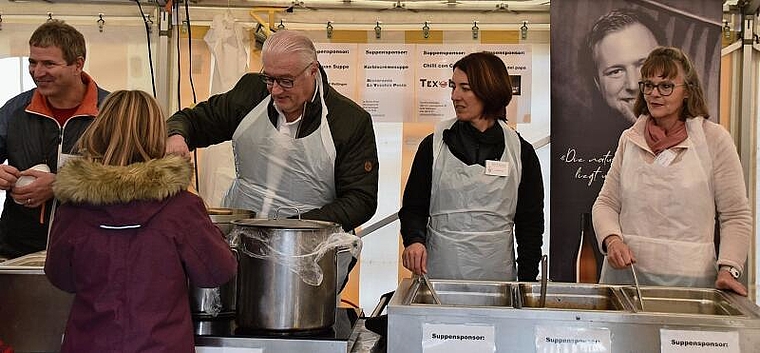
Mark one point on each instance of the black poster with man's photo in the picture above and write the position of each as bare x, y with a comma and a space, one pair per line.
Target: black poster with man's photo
597, 48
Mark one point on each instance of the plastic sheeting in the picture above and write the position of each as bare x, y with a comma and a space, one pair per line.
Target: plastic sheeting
302, 261
228, 43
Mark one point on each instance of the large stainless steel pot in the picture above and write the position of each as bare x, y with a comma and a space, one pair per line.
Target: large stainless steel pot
276, 262
218, 302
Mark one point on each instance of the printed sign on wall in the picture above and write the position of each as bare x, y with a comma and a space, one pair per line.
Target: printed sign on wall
339, 62
518, 59
434, 65
386, 81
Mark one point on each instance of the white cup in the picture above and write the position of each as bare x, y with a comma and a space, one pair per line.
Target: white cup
28, 179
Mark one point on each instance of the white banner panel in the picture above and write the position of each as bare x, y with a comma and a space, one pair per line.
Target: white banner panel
409, 83
386, 87
433, 66
339, 62
519, 62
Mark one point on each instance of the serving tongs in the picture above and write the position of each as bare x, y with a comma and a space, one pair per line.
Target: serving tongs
423, 279
638, 288
544, 280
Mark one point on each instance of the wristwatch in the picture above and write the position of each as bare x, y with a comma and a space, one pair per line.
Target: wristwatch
731, 270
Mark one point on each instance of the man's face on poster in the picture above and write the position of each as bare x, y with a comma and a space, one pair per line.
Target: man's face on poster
618, 57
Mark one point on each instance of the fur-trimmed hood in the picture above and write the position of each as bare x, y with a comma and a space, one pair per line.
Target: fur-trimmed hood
83, 181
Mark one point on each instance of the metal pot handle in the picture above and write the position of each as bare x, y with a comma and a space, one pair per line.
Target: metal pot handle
379, 323
384, 299
236, 253
237, 278
277, 212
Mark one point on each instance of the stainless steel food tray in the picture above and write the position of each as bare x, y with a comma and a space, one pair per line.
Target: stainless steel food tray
577, 297
27, 262
689, 301
581, 297
493, 294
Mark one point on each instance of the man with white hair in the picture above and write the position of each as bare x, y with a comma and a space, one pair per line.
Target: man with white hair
297, 142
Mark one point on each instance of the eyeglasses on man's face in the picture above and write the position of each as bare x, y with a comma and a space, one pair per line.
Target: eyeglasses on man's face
286, 82
665, 87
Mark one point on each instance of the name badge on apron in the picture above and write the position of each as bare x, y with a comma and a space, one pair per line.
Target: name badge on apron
665, 158
65, 157
497, 168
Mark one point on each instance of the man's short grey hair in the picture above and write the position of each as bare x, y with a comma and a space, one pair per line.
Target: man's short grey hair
287, 42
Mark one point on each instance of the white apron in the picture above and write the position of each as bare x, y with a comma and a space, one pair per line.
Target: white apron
668, 216
274, 171
472, 214
228, 42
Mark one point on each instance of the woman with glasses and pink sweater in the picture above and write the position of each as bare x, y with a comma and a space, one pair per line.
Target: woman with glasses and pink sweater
675, 176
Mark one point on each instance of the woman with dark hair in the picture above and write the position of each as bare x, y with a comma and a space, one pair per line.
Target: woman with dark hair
461, 212
674, 171
127, 235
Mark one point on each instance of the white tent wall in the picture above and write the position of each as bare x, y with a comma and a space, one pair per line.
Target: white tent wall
753, 118
117, 56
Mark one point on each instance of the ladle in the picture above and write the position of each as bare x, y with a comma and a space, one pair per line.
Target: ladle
424, 278
638, 288
544, 279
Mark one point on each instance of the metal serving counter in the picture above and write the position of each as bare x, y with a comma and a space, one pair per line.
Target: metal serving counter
508, 317
33, 313
472, 317
33, 316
